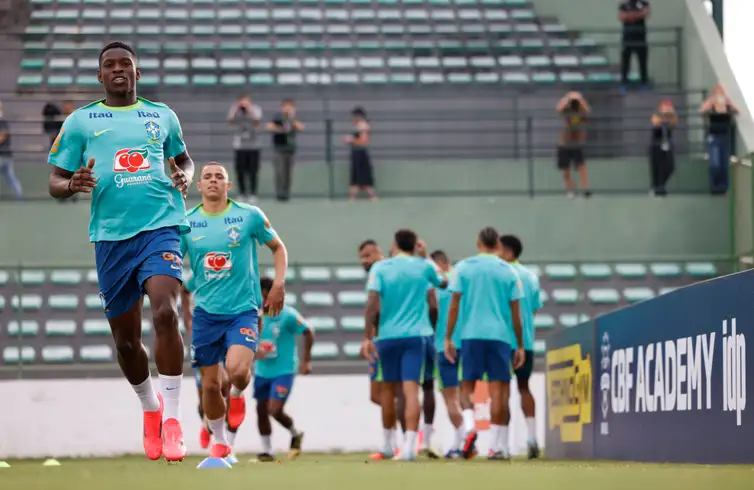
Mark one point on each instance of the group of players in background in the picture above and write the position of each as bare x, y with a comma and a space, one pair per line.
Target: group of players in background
463, 324
115, 149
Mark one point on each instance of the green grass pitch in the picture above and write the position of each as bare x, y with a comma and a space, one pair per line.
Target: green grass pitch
354, 472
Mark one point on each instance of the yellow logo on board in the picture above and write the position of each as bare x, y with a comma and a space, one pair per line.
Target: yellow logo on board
569, 392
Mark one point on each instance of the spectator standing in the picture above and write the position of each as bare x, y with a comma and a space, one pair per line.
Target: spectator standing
51, 123
284, 128
574, 108
6, 157
362, 177
633, 14
661, 154
244, 118
720, 112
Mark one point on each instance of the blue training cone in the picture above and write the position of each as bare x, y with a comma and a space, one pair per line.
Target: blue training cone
210, 463
231, 459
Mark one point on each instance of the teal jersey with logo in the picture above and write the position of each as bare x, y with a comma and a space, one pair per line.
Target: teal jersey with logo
278, 341
129, 145
402, 283
221, 250
443, 305
487, 284
530, 303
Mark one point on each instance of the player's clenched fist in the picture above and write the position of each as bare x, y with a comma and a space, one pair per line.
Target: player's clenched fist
179, 177
83, 179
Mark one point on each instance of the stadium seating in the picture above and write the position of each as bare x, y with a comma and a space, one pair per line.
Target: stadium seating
55, 316
313, 42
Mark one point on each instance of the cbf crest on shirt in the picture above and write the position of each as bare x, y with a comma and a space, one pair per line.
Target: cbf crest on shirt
130, 146
221, 250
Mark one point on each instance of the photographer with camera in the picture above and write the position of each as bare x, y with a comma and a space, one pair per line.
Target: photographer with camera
574, 108
244, 118
720, 112
661, 155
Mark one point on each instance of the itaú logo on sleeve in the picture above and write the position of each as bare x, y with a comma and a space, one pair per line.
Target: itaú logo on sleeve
217, 265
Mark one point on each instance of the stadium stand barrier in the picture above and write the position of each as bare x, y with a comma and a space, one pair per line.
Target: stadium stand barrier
636, 383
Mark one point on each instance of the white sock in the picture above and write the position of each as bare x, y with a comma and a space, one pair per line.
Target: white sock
469, 422
531, 430
503, 439
427, 429
494, 434
235, 392
232, 438
388, 443
397, 437
171, 395
460, 433
266, 445
218, 431
409, 443
147, 395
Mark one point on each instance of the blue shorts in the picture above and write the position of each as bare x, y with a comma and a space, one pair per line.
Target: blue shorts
402, 359
490, 357
212, 335
430, 354
449, 374
278, 388
124, 266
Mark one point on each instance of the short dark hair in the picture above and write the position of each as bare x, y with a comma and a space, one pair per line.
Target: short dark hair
266, 283
115, 45
439, 255
512, 243
359, 111
405, 240
489, 237
367, 243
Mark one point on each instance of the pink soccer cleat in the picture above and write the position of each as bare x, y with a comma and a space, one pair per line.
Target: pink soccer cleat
236, 412
204, 437
219, 451
173, 447
153, 432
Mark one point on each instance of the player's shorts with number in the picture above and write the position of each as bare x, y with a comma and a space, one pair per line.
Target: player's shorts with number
124, 266
213, 335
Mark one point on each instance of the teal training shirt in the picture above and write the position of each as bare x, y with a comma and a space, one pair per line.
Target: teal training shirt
487, 285
443, 303
222, 252
402, 283
530, 303
278, 341
129, 145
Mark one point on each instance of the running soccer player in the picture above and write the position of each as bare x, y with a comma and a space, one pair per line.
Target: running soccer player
530, 303
486, 291
222, 253
115, 149
276, 367
399, 300
448, 373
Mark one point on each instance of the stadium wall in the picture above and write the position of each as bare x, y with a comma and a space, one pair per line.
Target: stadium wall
101, 418
324, 231
662, 381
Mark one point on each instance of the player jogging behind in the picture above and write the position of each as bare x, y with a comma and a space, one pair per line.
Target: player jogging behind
276, 367
448, 373
115, 149
222, 253
398, 296
530, 303
486, 292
